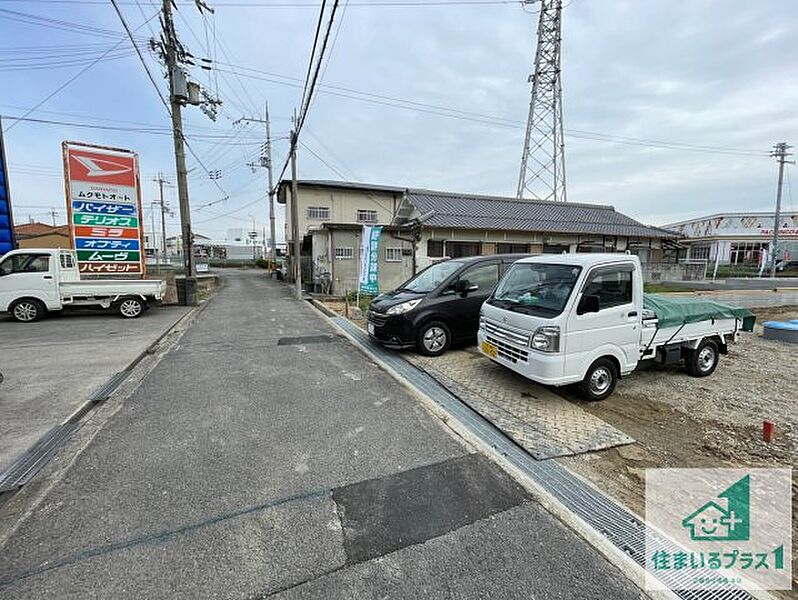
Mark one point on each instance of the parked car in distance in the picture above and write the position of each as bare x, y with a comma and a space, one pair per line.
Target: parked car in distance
438, 306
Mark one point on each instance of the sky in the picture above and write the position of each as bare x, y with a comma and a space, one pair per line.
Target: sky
390, 109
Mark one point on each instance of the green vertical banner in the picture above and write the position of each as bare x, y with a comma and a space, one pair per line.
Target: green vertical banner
369, 259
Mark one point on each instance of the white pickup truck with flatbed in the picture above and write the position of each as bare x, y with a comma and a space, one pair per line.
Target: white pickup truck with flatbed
35, 281
583, 318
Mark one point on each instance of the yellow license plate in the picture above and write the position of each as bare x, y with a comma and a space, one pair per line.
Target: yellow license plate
489, 349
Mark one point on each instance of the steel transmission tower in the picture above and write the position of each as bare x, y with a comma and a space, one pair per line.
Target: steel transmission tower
542, 174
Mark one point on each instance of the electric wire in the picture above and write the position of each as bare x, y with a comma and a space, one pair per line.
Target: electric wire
76, 75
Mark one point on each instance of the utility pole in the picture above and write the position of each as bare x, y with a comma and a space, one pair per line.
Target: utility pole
270, 167
297, 249
170, 42
266, 161
542, 175
155, 237
161, 180
780, 153
53, 213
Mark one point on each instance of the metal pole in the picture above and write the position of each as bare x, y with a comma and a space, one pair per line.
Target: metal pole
161, 181
155, 244
272, 234
180, 160
296, 262
780, 153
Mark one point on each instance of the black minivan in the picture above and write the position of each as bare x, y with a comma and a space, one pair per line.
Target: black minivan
439, 306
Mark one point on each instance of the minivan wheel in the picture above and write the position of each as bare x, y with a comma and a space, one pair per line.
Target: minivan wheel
27, 310
131, 308
703, 360
600, 380
433, 339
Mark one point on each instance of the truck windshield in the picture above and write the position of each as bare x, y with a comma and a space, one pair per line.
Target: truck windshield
536, 288
431, 277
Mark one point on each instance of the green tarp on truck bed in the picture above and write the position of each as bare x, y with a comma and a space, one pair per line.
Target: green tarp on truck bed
678, 310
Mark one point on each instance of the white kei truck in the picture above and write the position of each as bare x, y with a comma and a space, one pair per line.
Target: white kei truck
562, 319
35, 281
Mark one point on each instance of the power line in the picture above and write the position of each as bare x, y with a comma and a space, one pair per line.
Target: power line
313, 52
311, 88
160, 94
493, 120
76, 75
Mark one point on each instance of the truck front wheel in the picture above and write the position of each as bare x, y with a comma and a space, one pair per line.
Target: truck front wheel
600, 380
703, 360
131, 308
27, 310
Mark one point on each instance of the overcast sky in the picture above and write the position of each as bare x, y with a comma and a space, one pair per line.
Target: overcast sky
719, 73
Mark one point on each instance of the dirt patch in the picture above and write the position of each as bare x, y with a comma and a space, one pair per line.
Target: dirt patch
681, 421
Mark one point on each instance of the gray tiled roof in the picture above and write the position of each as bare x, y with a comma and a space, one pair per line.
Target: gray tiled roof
465, 211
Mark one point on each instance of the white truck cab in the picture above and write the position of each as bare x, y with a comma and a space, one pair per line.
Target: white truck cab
36, 281
570, 318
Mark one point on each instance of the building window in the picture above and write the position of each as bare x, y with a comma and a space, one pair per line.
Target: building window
347, 253
555, 248
435, 248
366, 216
700, 252
393, 255
505, 248
464, 249
321, 213
747, 253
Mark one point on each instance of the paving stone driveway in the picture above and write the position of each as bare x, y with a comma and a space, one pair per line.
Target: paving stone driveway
540, 421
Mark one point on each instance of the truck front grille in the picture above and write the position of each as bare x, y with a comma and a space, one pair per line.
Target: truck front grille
511, 344
511, 336
507, 351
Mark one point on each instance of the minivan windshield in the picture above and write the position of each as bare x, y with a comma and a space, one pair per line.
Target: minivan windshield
536, 288
431, 277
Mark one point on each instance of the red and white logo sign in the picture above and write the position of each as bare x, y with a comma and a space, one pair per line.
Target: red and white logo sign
96, 167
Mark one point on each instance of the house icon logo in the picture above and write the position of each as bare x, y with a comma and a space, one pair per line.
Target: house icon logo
725, 518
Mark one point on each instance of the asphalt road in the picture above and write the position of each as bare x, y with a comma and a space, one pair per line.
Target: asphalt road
51, 367
266, 456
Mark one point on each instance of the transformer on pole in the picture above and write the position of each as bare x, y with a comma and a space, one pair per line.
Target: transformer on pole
542, 174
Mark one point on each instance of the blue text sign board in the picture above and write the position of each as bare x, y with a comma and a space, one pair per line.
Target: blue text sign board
6, 220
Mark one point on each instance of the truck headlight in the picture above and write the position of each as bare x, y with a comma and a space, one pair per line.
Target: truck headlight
546, 339
403, 307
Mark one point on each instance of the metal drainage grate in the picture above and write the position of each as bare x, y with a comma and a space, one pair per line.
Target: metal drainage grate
623, 529
38, 455
307, 339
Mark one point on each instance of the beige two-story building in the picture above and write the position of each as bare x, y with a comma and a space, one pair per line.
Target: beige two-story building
423, 226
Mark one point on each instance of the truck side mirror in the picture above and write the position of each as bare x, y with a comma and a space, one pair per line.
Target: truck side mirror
588, 304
